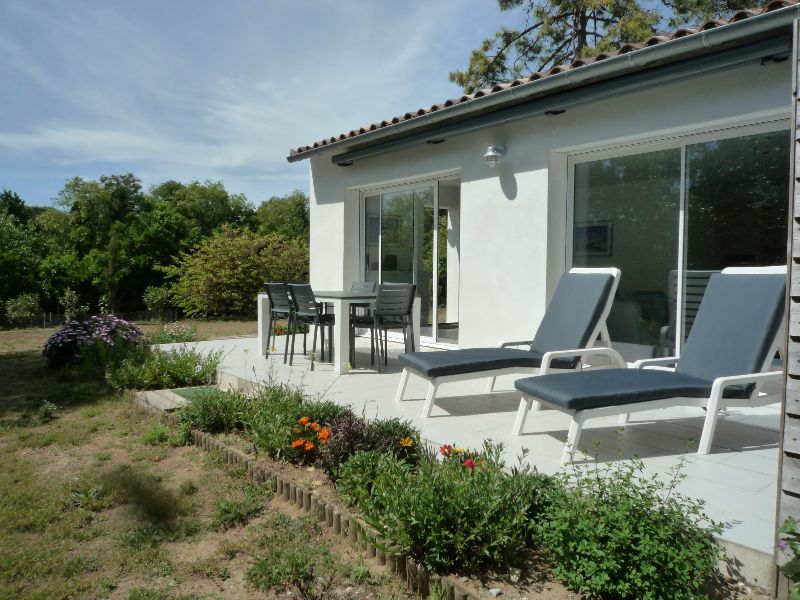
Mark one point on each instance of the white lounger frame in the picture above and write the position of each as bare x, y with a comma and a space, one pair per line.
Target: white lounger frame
600, 333
713, 404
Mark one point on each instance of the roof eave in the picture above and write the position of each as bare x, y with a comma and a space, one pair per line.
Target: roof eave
683, 48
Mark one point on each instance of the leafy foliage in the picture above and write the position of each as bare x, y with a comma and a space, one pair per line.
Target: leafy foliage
287, 216
223, 274
789, 548
22, 309
555, 32
152, 369
487, 518
213, 411
18, 260
611, 532
157, 300
351, 434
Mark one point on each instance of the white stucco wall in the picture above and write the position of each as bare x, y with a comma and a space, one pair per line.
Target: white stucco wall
513, 217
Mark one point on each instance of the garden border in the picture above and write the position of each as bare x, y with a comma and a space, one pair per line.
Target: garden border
344, 524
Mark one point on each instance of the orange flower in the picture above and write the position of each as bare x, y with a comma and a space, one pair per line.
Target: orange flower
324, 434
297, 430
298, 442
313, 426
309, 445
303, 420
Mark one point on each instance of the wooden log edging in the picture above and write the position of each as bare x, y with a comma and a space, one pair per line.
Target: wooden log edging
342, 523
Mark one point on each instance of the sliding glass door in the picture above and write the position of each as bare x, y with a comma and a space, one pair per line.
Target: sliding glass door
672, 216
403, 242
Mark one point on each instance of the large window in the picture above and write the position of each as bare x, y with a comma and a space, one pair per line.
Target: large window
671, 217
410, 235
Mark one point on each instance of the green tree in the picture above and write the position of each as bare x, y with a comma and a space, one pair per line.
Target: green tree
224, 273
152, 238
555, 32
14, 205
18, 259
94, 207
207, 204
287, 216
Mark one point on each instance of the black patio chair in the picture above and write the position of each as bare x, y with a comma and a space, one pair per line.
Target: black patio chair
360, 309
280, 307
392, 310
306, 310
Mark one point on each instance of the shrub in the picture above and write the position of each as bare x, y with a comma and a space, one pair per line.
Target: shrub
22, 309
157, 300
395, 436
272, 415
348, 437
223, 273
155, 435
357, 475
213, 411
485, 522
173, 333
351, 434
100, 340
73, 310
610, 532
152, 369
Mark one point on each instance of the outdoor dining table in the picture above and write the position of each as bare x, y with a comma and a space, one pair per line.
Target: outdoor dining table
341, 301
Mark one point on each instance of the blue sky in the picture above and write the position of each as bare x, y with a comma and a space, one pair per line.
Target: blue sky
213, 90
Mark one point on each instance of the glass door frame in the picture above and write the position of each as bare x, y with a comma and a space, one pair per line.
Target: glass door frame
678, 141
364, 193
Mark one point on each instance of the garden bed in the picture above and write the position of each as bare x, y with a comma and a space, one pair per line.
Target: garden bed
484, 526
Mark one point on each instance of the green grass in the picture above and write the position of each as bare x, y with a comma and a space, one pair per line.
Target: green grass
89, 506
192, 392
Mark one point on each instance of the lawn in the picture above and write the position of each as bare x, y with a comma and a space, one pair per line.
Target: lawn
22, 340
95, 502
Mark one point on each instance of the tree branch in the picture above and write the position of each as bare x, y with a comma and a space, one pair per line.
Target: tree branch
521, 34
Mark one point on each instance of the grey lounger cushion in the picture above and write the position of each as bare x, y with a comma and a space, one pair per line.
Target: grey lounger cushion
571, 318
470, 360
615, 387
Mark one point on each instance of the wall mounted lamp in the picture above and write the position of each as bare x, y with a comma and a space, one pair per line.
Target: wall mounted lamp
494, 154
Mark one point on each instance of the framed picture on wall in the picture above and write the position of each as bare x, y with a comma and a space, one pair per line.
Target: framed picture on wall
593, 239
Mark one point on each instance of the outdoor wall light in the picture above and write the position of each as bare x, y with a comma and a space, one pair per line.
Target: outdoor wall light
494, 154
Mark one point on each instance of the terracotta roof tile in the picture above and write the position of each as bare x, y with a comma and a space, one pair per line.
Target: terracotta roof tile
624, 49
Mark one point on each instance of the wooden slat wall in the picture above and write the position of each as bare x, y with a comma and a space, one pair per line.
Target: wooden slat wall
789, 469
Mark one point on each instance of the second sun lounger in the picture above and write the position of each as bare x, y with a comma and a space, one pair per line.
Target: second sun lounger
724, 362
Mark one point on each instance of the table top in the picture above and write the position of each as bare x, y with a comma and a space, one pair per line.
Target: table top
344, 295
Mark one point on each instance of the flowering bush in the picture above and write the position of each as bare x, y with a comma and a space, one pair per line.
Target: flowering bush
351, 434
309, 437
173, 333
486, 520
100, 339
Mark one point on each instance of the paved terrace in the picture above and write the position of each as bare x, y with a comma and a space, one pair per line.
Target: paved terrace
738, 480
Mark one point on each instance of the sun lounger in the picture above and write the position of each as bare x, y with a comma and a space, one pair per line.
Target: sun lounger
724, 363
573, 322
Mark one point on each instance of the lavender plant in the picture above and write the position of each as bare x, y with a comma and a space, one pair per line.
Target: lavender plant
99, 339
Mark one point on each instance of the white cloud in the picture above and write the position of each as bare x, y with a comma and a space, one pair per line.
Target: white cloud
216, 90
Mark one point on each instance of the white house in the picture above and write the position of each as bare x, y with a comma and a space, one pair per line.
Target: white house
667, 160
